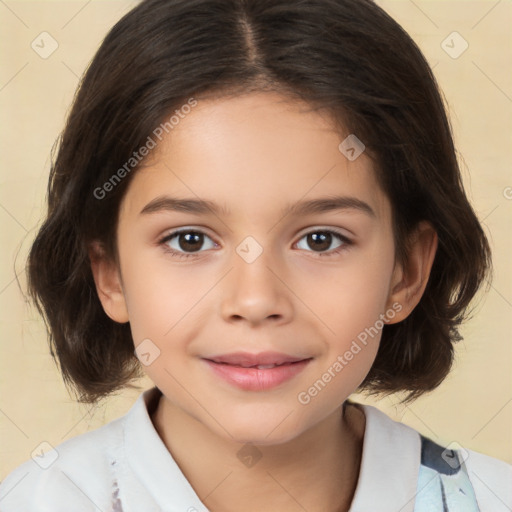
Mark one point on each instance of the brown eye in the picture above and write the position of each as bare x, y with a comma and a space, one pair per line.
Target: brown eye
186, 242
322, 241
319, 241
190, 241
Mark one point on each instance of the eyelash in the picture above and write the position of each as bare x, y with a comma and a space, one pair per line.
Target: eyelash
346, 242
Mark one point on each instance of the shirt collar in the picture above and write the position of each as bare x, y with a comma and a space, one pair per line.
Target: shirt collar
388, 474
390, 465
152, 462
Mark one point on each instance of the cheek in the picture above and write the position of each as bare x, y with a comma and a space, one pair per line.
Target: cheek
353, 297
159, 296
164, 307
354, 309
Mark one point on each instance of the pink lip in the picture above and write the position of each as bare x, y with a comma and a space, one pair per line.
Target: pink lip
241, 369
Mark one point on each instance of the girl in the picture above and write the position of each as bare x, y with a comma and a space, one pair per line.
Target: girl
258, 204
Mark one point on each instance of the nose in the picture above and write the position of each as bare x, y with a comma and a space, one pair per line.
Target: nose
256, 293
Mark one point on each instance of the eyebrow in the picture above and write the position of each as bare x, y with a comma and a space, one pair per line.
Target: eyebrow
301, 208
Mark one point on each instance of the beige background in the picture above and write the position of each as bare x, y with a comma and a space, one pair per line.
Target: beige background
472, 407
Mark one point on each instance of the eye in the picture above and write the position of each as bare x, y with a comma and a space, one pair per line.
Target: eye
185, 243
321, 241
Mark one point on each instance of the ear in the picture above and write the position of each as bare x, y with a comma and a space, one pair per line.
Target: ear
410, 278
108, 283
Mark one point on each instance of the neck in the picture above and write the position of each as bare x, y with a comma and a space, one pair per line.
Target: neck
318, 470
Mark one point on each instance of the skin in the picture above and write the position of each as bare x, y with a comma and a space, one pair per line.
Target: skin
254, 155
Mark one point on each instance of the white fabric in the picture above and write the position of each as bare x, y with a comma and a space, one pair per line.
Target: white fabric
125, 467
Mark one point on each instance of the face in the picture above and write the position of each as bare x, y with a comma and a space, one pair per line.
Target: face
254, 257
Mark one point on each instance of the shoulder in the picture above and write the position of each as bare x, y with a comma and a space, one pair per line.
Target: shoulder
492, 481
397, 457
76, 471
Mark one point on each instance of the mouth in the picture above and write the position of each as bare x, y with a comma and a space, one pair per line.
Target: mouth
263, 359
256, 372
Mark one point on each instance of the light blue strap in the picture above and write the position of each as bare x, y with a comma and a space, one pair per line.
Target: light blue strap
443, 482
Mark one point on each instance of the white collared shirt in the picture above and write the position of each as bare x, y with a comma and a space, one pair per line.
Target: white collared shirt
124, 466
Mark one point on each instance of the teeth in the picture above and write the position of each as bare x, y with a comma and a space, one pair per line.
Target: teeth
265, 366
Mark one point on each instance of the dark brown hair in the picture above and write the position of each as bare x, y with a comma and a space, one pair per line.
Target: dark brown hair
347, 56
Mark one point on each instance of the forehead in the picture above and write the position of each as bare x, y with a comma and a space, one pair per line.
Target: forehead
252, 153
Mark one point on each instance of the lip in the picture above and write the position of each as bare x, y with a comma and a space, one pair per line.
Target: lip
241, 370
